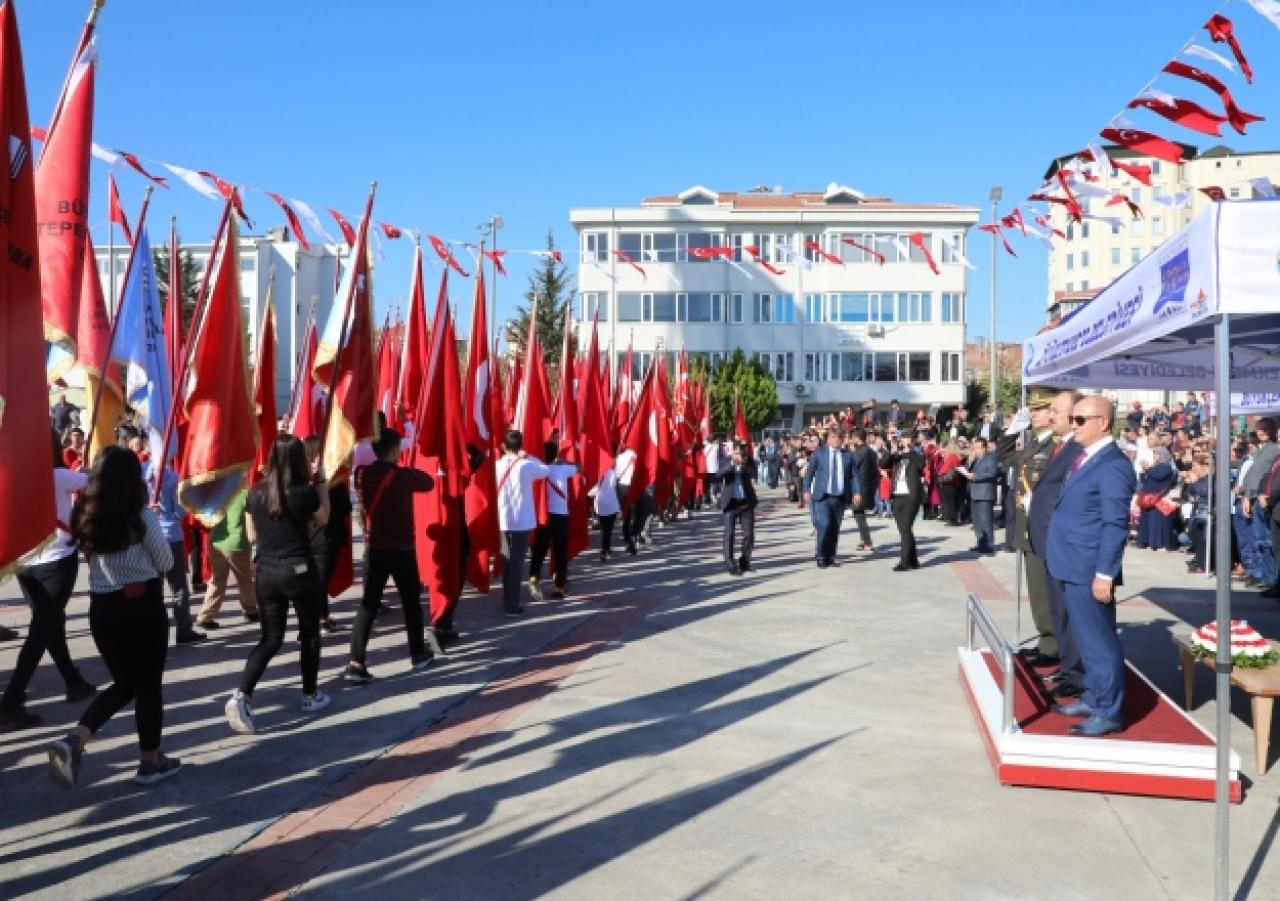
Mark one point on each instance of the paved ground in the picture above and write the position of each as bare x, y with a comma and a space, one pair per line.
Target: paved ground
672, 732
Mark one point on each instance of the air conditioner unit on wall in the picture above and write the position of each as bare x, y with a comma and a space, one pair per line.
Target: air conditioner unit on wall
875, 331
801, 389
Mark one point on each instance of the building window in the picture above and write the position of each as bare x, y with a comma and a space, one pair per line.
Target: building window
886, 367
1135, 255
784, 309
1071, 231
813, 366
593, 303
1084, 259
1155, 167
1135, 194
737, 313
1071, 286
595, 246
955, 240
629, 307
663, 307
846, 367
700, 240
810, 254
779, 364
1157, 224
1071, 261
950, 366
850, 308
631, 243
704, 307
914, 366
1084, 229
1115, 256
1235, 192
813, 307
952, 307
915, 307
1084, 285
1135, 226
764, 308
737, 242
1115, 227
248, 264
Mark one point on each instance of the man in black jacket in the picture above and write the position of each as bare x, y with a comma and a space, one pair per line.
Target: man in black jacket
867, 466
906, 481
738, 504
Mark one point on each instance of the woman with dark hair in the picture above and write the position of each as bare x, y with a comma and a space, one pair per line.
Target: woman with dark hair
1155, 528
329, 540
283, 509
127, 552
46, 579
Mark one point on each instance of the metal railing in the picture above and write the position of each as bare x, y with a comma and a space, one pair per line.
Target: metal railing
977, 619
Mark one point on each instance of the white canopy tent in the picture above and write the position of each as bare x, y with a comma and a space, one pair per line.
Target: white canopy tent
1202, 312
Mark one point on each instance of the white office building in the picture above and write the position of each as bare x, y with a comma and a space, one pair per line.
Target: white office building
301, 277
726, 270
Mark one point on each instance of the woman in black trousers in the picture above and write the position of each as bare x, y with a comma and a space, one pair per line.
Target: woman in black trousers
283, 509
47, 581
329, 540
127, 553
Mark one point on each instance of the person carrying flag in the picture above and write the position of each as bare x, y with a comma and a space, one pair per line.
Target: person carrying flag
517, 516
555, 534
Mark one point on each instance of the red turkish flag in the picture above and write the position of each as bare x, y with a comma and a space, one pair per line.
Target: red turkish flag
229, 192
62, 205
755, 255
413, 364
1185, 113
711, 253
740, 430
116, 212
136, 165
1213, 192
447, 255
391, 231
496, 256
1238, 118
1134, 170
626, 258
595, 443
348, 233
388, 368
996, 229
264, 391
292, 218
829, 257
623, 395
875, 254
1221, 30
917, 238
26, 468
1146, 143
664, 475
532, 417
515, 378
577, 502
482, 432
308, 411
222, 435
641, 436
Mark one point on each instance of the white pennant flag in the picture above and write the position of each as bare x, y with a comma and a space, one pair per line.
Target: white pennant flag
312, 219
1173, 201
195, 181
107, 156
736, 265
1268, 9
596, 264
789, 252
1158, 96
1263, 187
1100, 156
954, 247
1086, 189
1194, 49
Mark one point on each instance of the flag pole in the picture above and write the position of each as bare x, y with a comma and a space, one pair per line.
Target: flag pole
346, 322
86, 35
197, 317
111, 266
115, 325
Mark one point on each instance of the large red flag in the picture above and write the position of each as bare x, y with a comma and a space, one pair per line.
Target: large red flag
93, 334
439, 450
567, 423
308, 401
482, 430
388, 357
413, 363
346, 367
641, 436
596, 446
115, 212
515, 378
740, 430
62, 208
664, 475
264, 387
26, 469
623, 395
222, 433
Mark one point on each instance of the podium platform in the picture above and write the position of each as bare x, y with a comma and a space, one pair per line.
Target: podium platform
1162, 752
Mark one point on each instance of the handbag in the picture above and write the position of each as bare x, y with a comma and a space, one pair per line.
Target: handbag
1166, 507
1148, 499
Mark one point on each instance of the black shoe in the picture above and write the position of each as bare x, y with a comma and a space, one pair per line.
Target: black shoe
80, 691
1065, 689
252, 617
198, 587
14, 718
603, 556
631, 548
447, 636
191, 636
823, 564
733, 569
7, 634
512, 612
1040, 659
901, 568
358, 675
208, 625
832, 561
744, 564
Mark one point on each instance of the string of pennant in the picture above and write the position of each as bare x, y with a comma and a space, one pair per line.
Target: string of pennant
1078, 179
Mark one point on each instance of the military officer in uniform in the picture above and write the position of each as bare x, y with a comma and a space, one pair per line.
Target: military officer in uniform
1025, 449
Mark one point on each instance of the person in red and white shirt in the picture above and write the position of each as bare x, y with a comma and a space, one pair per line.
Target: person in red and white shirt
555, 534
516, 472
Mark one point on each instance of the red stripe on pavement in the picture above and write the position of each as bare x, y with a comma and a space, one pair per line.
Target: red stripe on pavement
299, 846
977, 579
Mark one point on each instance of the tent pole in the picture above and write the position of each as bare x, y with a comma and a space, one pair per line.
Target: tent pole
1222, 526
1017, 557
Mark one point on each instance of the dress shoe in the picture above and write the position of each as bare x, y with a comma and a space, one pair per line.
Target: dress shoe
832, 561
1096, 726
1065, 689
733, 569
1272, 592
1079, 708
822, 564
901, 568
1042, 659
744, 564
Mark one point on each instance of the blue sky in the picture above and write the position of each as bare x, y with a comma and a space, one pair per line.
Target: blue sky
462, 111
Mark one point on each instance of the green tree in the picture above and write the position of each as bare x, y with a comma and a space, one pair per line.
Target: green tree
748, 379
1008, 394
551, 285
190, 276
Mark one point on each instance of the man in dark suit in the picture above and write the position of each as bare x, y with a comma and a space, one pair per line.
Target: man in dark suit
830, 484
1068, 680
906, 480
737, 502
982, 474
1087, 536
867, 467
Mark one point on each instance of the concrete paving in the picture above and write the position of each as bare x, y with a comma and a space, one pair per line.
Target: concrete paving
671, 732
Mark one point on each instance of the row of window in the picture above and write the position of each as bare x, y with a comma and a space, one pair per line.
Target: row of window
774, 247
776, 309
825, 366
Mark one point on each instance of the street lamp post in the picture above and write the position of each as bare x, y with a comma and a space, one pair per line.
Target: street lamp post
996, 194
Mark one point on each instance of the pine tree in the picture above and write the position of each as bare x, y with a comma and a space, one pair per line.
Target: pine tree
551, 285
190, 282
752, 383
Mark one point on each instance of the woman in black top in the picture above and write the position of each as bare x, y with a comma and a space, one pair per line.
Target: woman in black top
329, 540
283, 509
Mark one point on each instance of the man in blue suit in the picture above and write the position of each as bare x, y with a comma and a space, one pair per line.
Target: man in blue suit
830, 485
1087, 537
982, 476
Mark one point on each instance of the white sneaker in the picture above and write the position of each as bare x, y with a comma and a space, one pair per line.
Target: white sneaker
316, 702
535, 589
240, 714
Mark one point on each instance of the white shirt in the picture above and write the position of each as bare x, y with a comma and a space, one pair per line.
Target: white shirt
606, 494
625, 466
711, 456
363, 455
835, 478
516, 475
558, 487
66, 484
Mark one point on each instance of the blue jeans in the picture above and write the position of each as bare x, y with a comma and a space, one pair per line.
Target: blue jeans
1262, 536
1248, 545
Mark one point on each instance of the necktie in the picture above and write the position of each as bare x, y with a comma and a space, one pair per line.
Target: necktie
831, 477
1075, 467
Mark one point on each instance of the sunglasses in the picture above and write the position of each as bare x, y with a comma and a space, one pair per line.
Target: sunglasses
1081, 420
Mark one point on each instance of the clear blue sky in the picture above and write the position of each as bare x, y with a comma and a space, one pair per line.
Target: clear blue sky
526, 110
